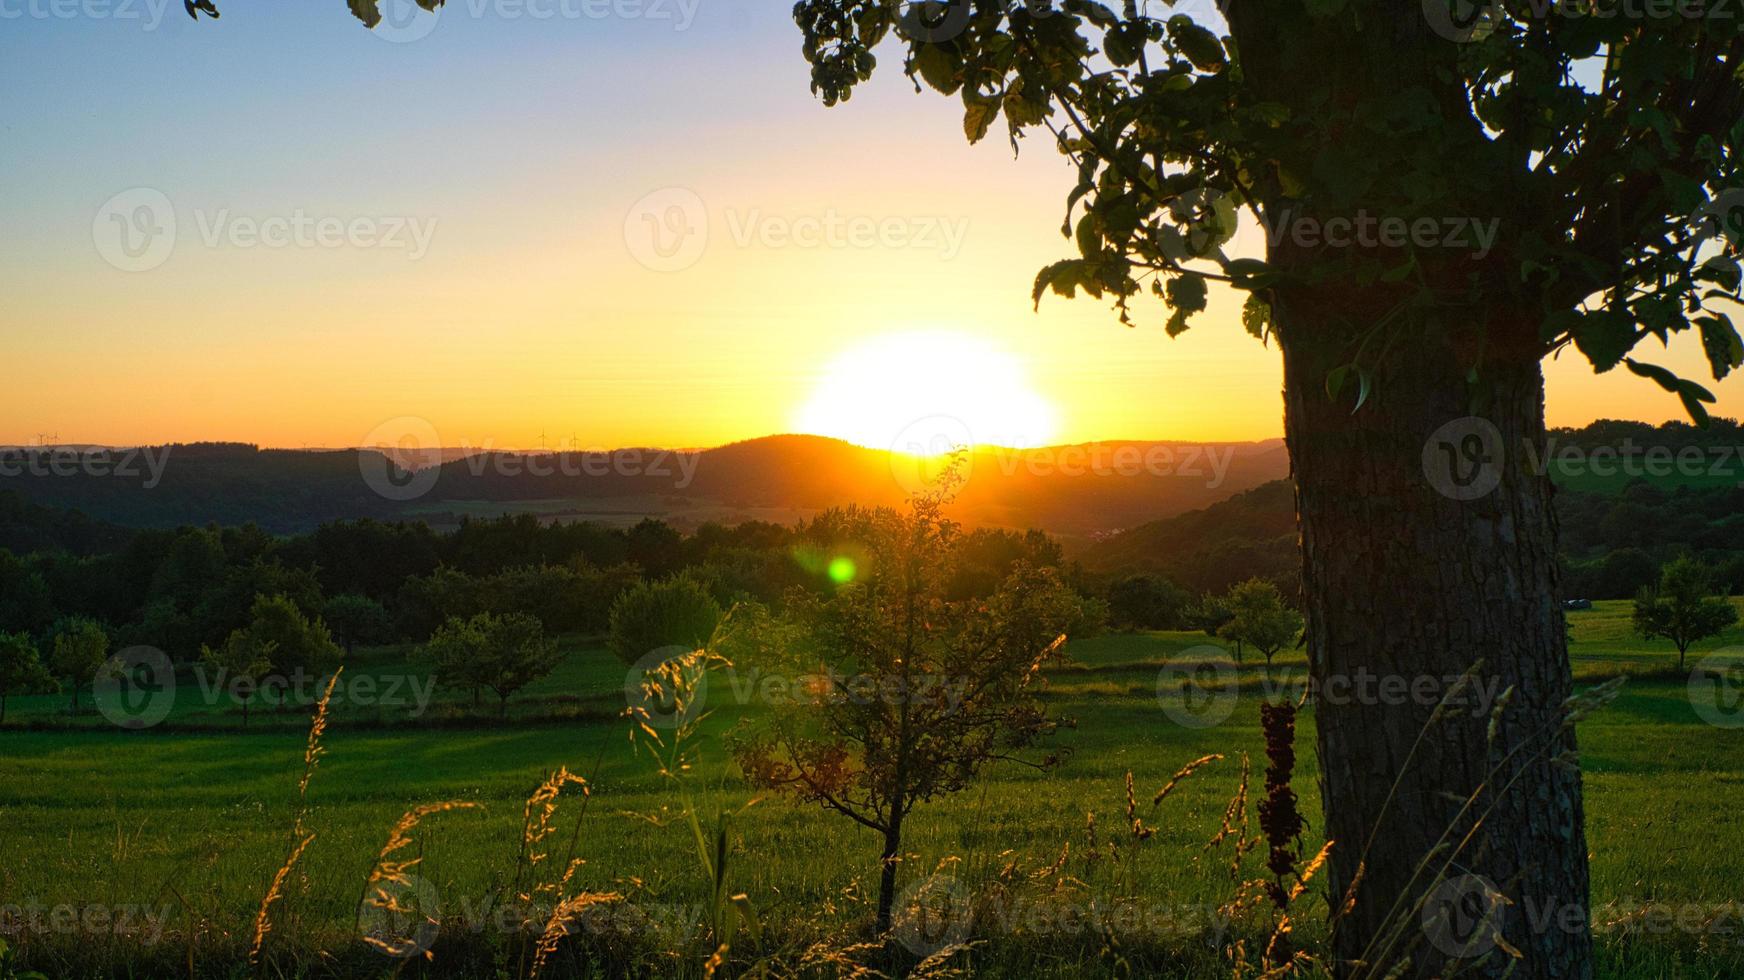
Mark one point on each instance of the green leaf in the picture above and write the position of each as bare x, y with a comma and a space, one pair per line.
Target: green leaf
1335, 381
978, 117
1720, 341
1695, 398
1198, 45
1604, 337
1721, 270
1063, 277
1256, 316
1186, 295
937, 65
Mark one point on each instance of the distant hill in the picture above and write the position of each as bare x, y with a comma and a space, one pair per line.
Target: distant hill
1250, 534
27, 527
1075, 491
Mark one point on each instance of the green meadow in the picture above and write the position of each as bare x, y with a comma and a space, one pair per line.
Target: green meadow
185, 824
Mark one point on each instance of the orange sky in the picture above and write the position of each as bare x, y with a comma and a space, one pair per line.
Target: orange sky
531, 308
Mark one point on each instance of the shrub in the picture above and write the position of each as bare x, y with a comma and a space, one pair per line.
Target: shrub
677, 611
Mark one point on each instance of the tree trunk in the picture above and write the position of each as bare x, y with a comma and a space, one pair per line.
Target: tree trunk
1426, 550
887, 874
2, 708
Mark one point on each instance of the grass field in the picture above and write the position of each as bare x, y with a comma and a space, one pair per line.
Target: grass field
192, 818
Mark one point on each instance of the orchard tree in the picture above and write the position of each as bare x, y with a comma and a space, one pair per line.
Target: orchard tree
21, 669
1147, 602
1260, 618
242, 661
500, 653
357, 619
298, 645
912, 692
80, 647
1682, 608
674, 612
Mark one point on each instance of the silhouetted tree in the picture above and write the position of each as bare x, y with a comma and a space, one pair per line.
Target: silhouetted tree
1682, 608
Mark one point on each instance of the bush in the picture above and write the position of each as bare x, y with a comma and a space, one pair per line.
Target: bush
677, 611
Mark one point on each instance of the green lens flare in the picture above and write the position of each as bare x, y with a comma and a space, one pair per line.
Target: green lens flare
842, 570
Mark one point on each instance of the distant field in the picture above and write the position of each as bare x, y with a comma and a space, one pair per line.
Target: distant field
196, 815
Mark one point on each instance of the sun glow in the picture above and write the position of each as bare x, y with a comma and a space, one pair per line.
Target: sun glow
926, 393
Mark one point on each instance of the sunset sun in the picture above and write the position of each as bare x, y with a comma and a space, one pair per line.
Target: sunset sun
927, 392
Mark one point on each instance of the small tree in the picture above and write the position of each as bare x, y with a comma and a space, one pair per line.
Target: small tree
242, 657
456, 652
1147, 602
80, 647
297, 643
501, 653
1260, 618
357, 619
21, 669
677, 611
1682, 608
912, 693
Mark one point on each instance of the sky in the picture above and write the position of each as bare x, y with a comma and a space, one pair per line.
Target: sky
558, 222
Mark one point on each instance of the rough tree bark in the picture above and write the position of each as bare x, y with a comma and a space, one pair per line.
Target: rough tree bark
1404, 580
1408, 570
